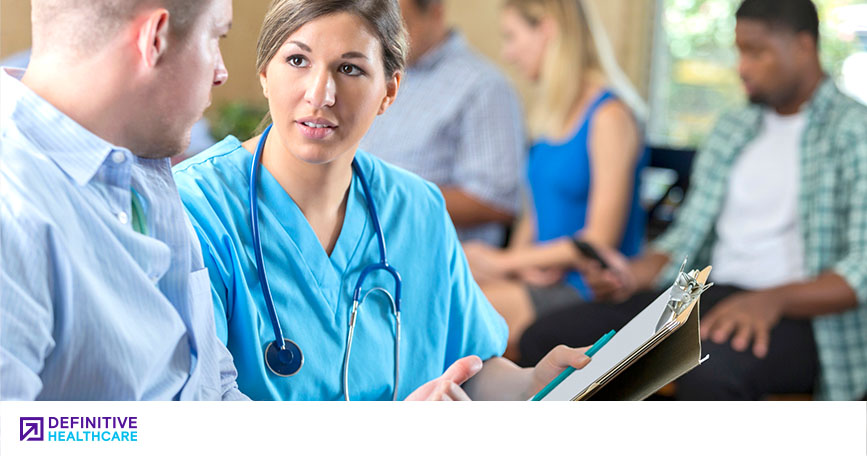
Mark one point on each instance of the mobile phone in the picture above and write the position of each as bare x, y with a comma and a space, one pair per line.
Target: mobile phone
590, 252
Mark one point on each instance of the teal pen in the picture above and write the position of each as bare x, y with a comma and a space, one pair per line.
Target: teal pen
590, 352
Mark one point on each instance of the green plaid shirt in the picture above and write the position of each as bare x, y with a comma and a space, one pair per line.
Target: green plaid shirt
833, 216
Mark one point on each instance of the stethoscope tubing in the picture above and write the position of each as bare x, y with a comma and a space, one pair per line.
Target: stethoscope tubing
257, 244
279, 340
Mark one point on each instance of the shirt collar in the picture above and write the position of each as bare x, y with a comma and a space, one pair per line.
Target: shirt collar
823, 98
75, 150
453, 42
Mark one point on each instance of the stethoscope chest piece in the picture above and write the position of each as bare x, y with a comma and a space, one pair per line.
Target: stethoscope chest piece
286, 362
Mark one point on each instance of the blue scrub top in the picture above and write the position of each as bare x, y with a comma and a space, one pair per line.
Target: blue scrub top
444, 315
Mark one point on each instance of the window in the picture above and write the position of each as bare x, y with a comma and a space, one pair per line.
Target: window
694, 76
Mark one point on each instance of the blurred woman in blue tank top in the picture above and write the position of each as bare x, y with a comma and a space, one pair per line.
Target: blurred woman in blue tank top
583, 168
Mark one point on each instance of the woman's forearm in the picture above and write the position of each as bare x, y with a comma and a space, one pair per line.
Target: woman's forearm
559, 253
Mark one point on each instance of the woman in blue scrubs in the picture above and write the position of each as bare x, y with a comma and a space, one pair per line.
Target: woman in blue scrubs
328, 69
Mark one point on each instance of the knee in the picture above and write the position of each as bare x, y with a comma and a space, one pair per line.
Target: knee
719, 378
534, 343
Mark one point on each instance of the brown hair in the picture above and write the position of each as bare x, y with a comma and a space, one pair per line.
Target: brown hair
284, 17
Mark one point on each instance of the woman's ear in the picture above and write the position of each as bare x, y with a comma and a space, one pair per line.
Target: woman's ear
263, 80
153, 34
391, 89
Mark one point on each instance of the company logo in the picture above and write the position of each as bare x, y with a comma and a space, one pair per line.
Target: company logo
31, 428
79, 429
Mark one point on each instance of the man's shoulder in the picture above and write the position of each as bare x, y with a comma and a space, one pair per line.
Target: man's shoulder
34, 194
733, 126
26, 172
848, 112
473, 69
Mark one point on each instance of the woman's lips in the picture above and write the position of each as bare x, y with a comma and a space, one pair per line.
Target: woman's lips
315, 130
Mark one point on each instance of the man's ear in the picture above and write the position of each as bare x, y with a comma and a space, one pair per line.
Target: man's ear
391, 88
807, 43
153, 36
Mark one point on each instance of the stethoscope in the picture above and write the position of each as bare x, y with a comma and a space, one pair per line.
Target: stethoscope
283, 356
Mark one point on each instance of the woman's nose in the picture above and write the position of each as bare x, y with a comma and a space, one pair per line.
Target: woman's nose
322, 90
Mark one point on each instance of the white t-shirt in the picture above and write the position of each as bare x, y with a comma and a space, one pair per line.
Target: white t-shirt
759, 242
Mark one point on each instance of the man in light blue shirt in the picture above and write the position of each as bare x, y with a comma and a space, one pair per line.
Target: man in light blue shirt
457, 123
103, 292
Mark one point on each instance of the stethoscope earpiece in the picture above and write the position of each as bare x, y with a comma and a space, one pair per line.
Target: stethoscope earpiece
284, 362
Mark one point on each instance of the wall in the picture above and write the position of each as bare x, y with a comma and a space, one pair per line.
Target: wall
629, 23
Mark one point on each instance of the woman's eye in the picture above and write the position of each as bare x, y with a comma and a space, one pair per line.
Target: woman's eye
296, 60
351, 70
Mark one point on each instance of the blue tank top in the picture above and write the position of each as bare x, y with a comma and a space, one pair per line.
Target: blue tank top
559, 176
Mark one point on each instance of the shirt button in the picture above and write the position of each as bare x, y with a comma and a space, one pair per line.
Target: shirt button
118, 157
122, 218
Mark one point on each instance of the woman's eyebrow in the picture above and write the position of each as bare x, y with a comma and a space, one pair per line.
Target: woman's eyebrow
303, 46
354, 55
347, 55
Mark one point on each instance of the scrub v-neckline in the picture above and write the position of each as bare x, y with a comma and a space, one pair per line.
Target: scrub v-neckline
328, 271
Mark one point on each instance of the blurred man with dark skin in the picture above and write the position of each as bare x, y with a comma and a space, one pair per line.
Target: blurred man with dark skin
457, 123
778, 206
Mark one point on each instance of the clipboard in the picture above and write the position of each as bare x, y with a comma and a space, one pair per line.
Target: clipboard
656, 347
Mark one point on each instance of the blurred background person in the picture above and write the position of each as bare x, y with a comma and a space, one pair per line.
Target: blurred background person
458, 123
779, 211
583, 169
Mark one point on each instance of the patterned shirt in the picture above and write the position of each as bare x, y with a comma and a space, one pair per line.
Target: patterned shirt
832, 213
89, 308
458, 123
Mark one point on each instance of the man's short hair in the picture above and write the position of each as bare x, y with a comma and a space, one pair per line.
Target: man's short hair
424, 5
795, 15
86, 25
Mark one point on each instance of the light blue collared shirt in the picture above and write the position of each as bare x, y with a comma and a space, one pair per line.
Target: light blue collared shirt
89, 308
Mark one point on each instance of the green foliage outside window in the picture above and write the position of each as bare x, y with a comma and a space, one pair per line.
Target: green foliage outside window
695, 62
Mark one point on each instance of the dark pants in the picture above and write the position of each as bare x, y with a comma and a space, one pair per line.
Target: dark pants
791, 366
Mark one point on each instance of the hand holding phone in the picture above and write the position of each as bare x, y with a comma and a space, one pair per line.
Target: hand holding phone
588, 251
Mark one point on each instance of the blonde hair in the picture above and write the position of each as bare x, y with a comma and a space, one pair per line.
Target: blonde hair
570, 61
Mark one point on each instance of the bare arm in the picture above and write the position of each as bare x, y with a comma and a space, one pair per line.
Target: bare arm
524, 232
466, 210
614, 150
827, 294
646, 269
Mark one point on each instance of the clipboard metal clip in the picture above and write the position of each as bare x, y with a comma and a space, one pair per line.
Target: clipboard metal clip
685, 290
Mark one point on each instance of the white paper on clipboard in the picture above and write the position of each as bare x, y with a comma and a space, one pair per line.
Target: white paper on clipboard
633, 341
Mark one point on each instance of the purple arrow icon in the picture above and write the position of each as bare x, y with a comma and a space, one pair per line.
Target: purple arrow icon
31, 428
